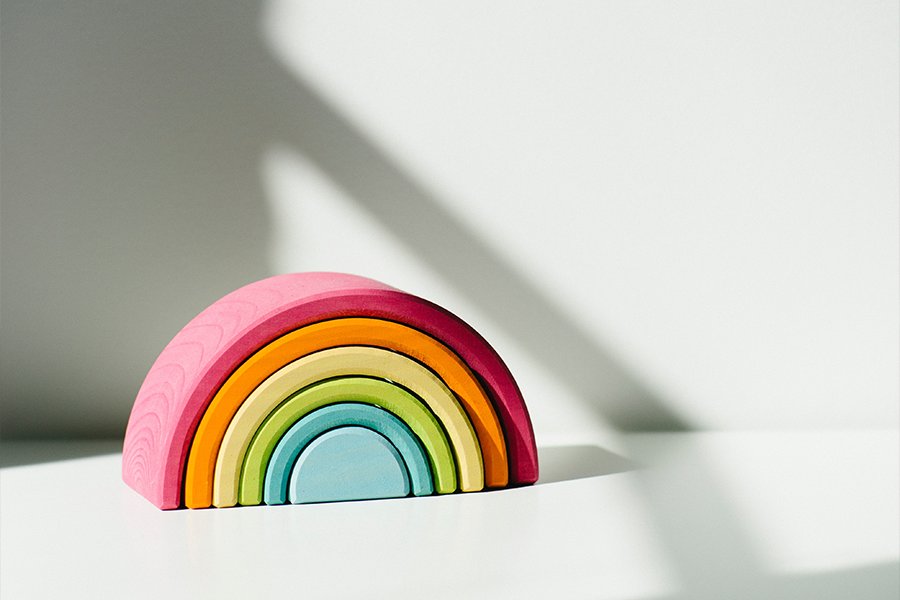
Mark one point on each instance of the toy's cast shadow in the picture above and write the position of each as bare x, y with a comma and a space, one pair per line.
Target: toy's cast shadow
565, 463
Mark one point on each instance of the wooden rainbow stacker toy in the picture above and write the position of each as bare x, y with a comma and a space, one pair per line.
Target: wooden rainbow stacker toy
319, 387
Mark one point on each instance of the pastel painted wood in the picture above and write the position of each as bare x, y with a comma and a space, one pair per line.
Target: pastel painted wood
349, 463
269, 419
348, 361
378, 333
200, 358
331, 417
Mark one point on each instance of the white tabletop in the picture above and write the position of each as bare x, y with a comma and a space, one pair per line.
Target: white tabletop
711, 515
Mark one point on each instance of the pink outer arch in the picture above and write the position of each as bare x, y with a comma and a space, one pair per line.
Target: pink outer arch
200, 357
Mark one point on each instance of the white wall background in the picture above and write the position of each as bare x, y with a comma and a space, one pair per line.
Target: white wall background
662, 214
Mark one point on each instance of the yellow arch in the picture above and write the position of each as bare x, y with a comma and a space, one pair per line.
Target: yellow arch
340, 362
383, 364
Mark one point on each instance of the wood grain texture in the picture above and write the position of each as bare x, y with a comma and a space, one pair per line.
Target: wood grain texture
304, 431
350, 463
269, 412
198, 360
370, 362
379, 333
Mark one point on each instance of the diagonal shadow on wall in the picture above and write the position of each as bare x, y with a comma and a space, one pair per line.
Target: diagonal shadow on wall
146, 153
418, 218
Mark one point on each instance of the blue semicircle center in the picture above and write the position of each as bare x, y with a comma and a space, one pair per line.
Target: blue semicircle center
348, 463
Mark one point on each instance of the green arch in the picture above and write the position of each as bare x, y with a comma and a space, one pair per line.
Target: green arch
384, 394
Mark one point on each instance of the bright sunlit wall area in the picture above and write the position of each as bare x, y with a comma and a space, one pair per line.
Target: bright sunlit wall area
665, 216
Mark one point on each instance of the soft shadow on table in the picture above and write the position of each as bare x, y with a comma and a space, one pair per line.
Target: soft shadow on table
15, 453
564, 463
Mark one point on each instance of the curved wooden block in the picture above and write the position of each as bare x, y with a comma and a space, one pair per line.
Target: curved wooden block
269, 413
379, 333
360, 361
331, 417
350, 463
199, 359
348, 361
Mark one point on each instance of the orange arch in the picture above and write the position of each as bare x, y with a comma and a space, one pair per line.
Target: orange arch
357, 331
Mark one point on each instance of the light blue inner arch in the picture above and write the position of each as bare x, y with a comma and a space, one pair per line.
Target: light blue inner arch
342, 415
348, 463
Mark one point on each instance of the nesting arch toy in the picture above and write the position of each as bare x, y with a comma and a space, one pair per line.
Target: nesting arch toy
325, 386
